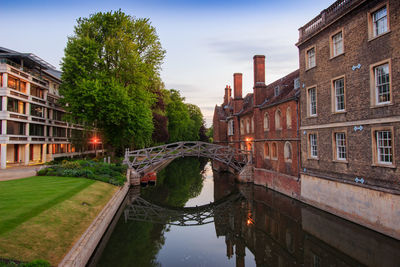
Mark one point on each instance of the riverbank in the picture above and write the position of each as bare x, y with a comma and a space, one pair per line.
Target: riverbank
33, 215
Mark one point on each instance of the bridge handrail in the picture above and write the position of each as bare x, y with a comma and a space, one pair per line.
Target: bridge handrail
145, 157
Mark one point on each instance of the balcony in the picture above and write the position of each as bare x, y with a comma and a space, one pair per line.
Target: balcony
21, 71
327, 16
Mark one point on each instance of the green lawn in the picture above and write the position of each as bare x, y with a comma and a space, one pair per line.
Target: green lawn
42, 216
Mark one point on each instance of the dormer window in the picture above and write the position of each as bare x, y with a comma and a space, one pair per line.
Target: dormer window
276, 91
296, 83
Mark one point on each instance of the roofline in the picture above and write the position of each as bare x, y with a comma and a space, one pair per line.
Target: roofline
31, 56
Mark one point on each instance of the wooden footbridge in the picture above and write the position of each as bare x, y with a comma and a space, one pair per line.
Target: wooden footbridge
142, 159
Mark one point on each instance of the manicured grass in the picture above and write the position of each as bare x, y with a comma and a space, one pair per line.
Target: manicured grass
42, 216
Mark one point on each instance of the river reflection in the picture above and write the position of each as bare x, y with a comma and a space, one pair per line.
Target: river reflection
245, 225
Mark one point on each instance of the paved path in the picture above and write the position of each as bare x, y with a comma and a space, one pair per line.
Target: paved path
18, 172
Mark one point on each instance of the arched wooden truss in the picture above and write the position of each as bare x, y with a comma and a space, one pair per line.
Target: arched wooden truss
144, 158
144, 211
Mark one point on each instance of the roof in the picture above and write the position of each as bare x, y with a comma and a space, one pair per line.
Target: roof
30, 59
286, 90
55, 73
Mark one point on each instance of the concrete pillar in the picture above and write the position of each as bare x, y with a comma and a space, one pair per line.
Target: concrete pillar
44, 153
3, 160
27, 109
28, 88
26, 159
4, 127
5, 79
4, 103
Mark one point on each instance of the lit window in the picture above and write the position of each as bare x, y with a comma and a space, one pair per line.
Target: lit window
379, 21
278, 116
339, 94
340, 141
384, 147
337, 44
266, 122
311, 58
382, 84
312, 102
313, 148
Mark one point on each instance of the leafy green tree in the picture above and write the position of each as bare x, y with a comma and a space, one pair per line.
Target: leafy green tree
179, 122
110, 65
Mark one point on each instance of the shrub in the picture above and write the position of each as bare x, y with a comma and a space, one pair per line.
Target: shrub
109, 173
37, 263
42, 172
70, 165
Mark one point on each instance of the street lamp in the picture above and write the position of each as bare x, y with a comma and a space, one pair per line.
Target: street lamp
95, 141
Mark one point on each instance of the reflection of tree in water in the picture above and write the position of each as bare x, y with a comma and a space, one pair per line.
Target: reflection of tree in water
137, 243
181, 180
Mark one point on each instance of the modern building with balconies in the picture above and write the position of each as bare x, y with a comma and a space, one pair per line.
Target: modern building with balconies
32, 126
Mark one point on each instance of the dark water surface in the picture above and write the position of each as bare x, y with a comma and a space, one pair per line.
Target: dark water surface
174, 224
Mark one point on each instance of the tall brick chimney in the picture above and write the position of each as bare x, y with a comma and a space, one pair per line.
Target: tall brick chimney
229, 94
237, 90
259, 69
226, 95
259, 88
237, 85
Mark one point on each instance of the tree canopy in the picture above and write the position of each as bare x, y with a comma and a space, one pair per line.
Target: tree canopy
111, 63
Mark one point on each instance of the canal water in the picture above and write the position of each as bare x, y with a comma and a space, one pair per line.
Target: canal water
194, 217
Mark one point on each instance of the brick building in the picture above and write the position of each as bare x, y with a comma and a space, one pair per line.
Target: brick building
350, 112
32, 126
266, 123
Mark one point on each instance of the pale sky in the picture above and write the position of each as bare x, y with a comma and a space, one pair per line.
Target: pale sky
206, 41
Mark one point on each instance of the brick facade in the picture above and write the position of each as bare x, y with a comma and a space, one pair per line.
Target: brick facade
361, 115
274, 148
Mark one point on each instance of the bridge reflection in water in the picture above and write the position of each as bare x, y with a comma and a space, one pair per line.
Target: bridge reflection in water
277, 230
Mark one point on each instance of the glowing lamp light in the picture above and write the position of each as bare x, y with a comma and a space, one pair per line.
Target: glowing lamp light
95, 140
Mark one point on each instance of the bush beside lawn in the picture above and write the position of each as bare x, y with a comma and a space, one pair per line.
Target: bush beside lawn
109, 173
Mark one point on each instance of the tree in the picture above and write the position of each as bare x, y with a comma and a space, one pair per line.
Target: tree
179, 122
110, 65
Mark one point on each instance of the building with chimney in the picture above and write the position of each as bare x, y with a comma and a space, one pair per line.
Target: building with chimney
266, 124
349, 58
32, 126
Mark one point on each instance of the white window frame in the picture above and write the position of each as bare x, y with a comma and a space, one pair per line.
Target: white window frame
337, 44
380, 24
311, 57
378, 85
341, 146
384, 146
378, 21
342, 95
312, 101
313, 145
